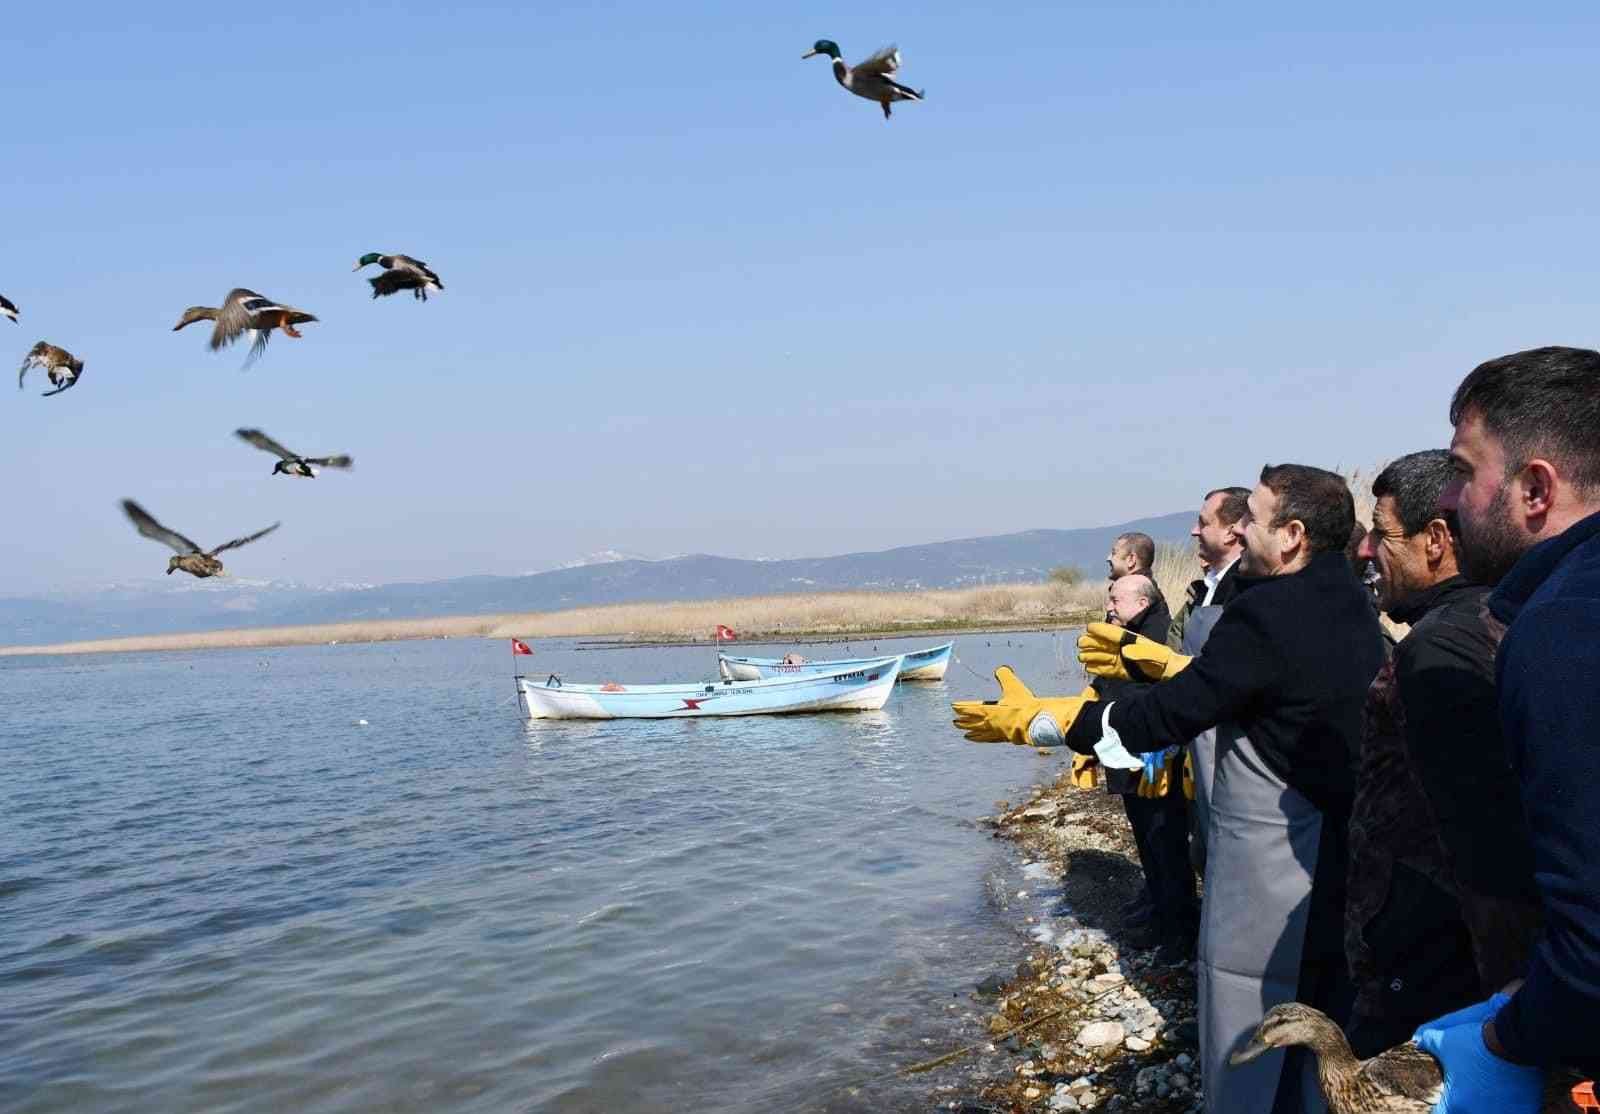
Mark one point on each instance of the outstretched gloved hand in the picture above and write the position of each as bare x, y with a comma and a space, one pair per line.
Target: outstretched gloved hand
1016, 716
1106, 650
1476, 1081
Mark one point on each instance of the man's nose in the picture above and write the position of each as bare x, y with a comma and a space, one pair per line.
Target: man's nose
1366, 551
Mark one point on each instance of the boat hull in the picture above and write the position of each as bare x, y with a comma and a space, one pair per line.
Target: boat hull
866, 687
920, 665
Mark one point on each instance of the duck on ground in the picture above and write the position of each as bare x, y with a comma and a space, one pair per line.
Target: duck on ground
1403, 1080
61, 366
292, 463
190, 557
400, 272
245, 311
8, 308
869, 78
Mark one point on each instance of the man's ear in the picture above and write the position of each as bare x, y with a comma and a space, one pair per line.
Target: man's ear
1439, 543
1538, 480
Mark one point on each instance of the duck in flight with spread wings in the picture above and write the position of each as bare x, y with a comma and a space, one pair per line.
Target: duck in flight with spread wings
190, 557
870, 78
61, 366
292, 464
245, 311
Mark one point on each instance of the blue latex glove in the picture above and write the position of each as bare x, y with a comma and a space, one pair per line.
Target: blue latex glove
1476, 1081
1478, 1012
1153, 761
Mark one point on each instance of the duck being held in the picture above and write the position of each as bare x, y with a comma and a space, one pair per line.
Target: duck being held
869, 78
1403, 1080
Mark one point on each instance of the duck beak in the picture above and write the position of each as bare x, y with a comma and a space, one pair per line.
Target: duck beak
810, 54
357, 267
1256, 1048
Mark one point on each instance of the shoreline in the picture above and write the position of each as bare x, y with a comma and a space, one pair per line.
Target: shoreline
514, 625
1086, 1022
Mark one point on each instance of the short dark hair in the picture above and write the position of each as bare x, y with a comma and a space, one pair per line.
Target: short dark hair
1415, 481
1142, 546
1320, 499
1542, 402
1234, 506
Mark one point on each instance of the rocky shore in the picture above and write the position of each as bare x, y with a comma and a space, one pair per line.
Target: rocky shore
1086, 1022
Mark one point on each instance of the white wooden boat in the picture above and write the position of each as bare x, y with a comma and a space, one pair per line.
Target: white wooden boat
920, 665
861, 687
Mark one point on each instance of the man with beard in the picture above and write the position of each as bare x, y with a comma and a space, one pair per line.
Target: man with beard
1281, 679
1442, 909
1527, 494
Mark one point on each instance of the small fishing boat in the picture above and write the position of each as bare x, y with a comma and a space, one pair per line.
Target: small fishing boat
922, 665
864, 686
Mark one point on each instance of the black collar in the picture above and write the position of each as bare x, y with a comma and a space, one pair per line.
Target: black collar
1534, 567
1420, 603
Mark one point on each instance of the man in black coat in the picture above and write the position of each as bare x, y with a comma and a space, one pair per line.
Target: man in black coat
1527, 494
1286, 669
1442, 909
1155, 807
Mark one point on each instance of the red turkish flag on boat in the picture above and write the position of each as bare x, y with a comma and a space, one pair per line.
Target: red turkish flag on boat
520, 647
724, 634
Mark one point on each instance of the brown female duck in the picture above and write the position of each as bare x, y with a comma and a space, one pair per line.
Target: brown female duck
61, 366
1403, 1080
191, 558
245, 311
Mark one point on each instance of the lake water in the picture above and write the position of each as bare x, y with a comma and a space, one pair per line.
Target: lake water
219, 892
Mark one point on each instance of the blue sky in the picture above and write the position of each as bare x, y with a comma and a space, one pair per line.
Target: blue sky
701, 299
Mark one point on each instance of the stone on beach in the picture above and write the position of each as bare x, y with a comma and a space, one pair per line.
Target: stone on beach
1101, 1036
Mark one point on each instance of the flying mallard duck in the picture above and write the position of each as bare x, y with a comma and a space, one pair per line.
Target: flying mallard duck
400, 272
8, 308
1403, 1080
61, 366
292, 464
246, 311
869, 78
191, 558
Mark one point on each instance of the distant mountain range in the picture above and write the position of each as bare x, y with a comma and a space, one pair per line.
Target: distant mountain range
162, 607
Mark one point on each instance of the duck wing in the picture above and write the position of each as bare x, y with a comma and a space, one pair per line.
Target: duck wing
8, 308
236, 316
246, 540
153, 530
1405, 1071
263, 442
417, 266
340, 461
881, 64
71, 381
34, 358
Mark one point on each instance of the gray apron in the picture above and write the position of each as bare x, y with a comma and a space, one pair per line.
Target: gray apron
1261, 853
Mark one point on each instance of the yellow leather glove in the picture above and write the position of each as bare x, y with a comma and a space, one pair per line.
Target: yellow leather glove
1083, 771
1106, 650
1159, 785
1010, 718
1188, 774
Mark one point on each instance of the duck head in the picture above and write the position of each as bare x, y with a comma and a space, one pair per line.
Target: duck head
823, 46
369, 258
1284, 1026
193, 314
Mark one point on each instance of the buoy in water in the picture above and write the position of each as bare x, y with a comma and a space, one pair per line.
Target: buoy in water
361, 723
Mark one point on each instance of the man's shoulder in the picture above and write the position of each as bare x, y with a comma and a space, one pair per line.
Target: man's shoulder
1461, 629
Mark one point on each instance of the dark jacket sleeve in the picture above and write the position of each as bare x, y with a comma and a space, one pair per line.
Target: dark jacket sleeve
1452, 730
1224, 683
1550, 710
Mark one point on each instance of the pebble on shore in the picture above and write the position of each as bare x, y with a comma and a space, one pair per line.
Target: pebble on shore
1115, 1029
